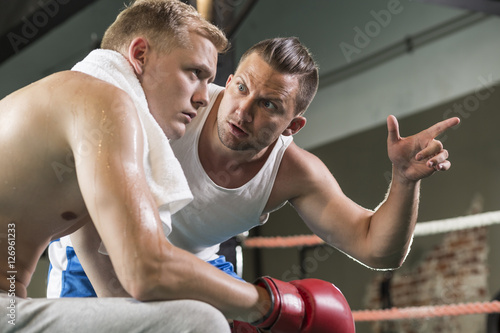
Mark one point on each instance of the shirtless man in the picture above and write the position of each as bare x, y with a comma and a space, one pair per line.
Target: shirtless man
98, 131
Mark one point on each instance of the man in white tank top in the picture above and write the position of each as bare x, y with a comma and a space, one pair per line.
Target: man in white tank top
241, 164
252, 121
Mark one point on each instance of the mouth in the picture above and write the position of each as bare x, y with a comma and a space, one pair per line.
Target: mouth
237, 131
189, 115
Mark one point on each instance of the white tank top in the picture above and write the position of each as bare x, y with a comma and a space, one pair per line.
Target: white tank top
217, 213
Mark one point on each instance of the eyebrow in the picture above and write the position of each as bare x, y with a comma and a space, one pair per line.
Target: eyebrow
276, 97
206, 69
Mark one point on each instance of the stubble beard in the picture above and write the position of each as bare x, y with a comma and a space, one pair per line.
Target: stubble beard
246, 148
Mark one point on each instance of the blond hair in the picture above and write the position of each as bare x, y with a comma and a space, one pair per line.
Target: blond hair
164, 23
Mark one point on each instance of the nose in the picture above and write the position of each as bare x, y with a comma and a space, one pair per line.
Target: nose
244, 110
200, 97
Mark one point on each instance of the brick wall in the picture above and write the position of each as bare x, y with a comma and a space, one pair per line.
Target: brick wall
455, 271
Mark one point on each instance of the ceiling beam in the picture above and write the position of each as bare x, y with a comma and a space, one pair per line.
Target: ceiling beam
485, 6
30, 27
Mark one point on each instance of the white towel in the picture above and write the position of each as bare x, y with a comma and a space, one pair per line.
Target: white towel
164, 173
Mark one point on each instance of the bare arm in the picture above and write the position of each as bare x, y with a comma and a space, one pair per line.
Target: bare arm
380, 238
98, 268
113, 185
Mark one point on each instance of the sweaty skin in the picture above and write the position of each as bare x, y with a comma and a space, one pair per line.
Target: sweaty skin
40, 193
73, 154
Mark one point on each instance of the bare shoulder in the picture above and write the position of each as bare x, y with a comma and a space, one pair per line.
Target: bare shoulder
65, 93
61, 105
300, 172
298, 161
86, 94
92, 104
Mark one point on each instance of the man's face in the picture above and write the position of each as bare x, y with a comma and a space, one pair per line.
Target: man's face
258, 105
176, 84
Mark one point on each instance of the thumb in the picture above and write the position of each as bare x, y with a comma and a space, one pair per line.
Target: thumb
392, 129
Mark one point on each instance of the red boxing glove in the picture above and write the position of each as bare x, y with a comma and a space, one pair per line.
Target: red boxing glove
326, 310
305, 306
243, 327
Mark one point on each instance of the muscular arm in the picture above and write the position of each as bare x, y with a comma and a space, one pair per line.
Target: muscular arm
380, 238
113, 185
98, 268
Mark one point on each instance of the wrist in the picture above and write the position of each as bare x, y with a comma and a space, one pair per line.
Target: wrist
270, 304
287, 307
399, 178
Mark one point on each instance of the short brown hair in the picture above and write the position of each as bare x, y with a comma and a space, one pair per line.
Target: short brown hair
289, 56
165, 23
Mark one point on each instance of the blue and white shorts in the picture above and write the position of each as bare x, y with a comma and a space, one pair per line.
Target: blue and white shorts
66, 277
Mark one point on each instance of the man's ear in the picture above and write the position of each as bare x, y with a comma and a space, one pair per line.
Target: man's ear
137, 53
229, 79
295, 125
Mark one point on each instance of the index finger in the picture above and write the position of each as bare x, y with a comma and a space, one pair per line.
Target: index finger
442, 126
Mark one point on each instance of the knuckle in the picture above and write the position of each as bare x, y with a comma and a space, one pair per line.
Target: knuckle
438, 144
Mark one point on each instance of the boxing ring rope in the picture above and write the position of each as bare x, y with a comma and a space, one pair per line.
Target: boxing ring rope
421, 229
427, 311
282, 242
